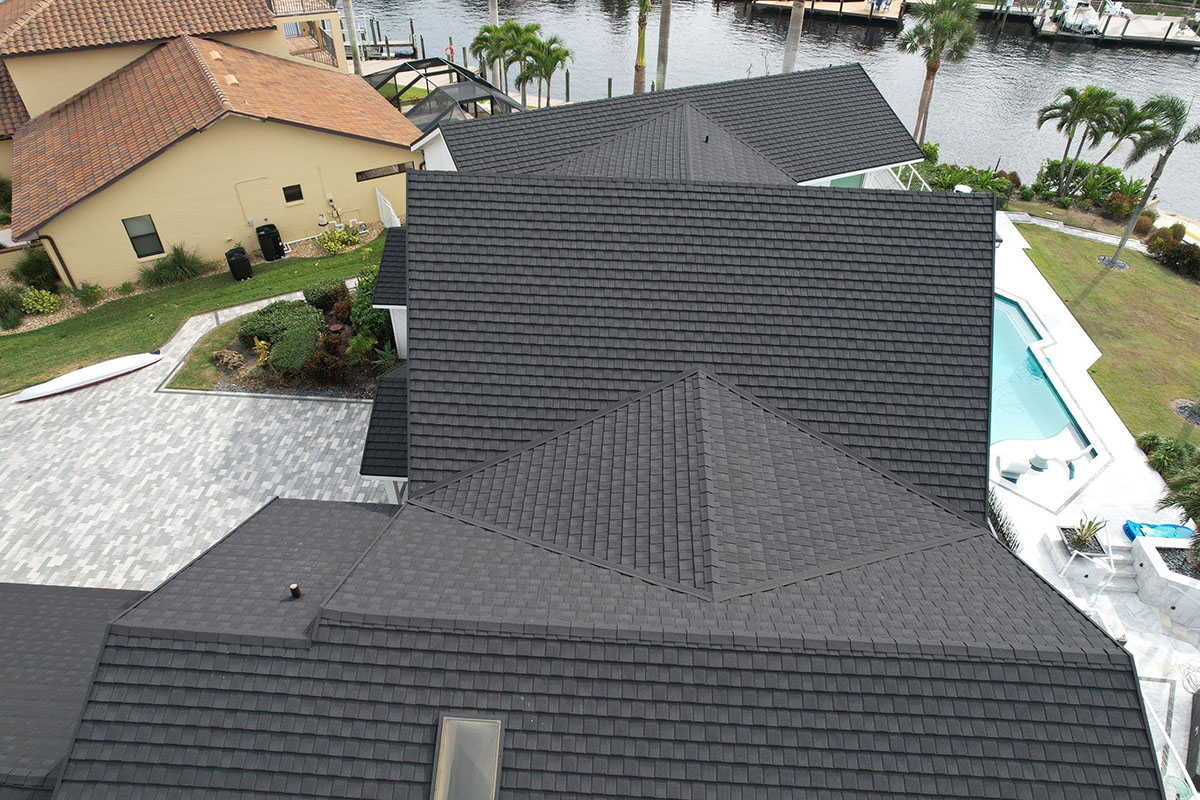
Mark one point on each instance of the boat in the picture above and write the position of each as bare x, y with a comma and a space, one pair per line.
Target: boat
88, 376
1080, 17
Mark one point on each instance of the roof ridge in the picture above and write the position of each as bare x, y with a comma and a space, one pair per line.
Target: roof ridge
633, 126
190, 41
557, 432
25, 18
689, 157
709, 538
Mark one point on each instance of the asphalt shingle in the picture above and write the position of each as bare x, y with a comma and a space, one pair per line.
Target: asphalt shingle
807, 125
863, 314
391, 287
385, 450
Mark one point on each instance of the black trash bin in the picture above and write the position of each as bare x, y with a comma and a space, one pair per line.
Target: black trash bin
270, 242
239, 264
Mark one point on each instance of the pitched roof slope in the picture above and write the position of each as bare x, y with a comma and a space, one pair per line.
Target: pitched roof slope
941, 669
681, 143
12, 108
735, 496
175, 90
385, 451
36, 26
391, 286
865, 315
809, 125
50, 637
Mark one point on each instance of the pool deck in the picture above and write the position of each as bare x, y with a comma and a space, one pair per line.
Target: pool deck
1122, 487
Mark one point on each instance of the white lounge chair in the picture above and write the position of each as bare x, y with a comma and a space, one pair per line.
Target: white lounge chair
1012, 470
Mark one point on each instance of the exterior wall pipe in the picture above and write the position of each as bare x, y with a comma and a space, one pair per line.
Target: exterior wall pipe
58, 257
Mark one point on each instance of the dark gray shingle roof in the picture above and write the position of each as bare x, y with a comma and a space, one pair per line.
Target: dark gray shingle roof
864, 314
50, 637
809, 125
385, 451
947, 670
391, 287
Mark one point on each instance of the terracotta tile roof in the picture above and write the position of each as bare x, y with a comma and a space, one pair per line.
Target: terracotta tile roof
31, 26
179, 88
12, 110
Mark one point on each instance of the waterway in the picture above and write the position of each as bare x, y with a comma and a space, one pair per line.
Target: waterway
984, 108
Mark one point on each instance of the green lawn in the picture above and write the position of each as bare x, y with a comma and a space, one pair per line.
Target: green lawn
197, 370
146, 321
414, 94
1146, 322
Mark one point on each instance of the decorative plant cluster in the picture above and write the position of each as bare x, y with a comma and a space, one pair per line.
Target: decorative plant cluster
1166, 246
88, 294
1103, 188
946, 177
40, 301
1001, 524
333, 241
330, 338
1179, 464
179, 264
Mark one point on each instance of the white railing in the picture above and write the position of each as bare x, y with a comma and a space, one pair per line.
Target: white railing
1177, 784
910, 179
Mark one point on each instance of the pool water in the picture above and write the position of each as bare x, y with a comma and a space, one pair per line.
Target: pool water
1025, 404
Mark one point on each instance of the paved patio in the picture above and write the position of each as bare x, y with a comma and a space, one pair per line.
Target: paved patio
121, 484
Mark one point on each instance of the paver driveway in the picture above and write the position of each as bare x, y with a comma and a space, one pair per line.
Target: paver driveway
119, 485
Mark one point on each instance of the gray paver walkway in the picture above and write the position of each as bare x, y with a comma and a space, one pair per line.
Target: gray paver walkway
119, 485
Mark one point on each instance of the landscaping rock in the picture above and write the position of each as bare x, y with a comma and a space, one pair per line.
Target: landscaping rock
228, 360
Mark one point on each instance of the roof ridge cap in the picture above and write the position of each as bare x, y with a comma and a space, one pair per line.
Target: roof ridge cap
190, 42
24, 20
709, 538
666, 110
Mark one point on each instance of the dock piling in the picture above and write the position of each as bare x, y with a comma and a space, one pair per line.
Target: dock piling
568, 85
422, 46
1168, 33
1104, 30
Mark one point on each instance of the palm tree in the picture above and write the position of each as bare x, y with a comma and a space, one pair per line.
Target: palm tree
639, 65
664, 36
488, 47
1170, 115
543, 59
1126, 123
795, 31
1069, 111
944, 31
1096, 110
517, 40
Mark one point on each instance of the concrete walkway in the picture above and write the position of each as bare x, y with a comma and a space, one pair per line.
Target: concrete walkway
1070, 230
119, 485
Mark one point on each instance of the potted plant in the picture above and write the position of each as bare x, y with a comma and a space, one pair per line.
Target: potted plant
1084, 536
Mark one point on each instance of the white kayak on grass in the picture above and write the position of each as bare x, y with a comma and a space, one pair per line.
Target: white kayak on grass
88, 376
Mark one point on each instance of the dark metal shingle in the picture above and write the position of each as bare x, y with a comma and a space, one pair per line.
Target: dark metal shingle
391, 287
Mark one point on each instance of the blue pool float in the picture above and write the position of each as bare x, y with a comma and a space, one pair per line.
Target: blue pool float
1136, 529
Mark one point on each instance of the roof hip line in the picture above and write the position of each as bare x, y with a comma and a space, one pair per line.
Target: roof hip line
708, 535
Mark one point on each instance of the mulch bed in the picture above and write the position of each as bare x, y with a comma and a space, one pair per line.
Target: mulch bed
1177, 560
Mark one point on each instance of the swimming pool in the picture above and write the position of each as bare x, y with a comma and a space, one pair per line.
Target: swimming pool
1025, 404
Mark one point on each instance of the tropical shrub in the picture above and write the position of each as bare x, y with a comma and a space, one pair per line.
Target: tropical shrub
1001, 525
10, 309
361, 348
323, 295
1086, 531
126, 288
333, 241
327, 364
1178, 231
1028, 193
179, 264
1065, 202
295, 345
1119, 206
35, 269
386, 358
1095, 189
364, 318
88, 294
1013, 178
341, 311
1158, 236
228, 360
270, 322
5, 194
39, 301
1168, 456
261, 350
1143, 225
1133, 187
1179, 257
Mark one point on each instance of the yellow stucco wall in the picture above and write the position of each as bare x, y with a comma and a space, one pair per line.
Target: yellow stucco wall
202, 192
45, 80
6, 159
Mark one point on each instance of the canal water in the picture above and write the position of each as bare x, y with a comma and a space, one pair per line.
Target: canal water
984, 108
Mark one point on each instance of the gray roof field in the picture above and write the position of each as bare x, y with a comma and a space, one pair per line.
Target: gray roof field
50, 638
864, 314
385, 450
391, 286
865, 642
801, 125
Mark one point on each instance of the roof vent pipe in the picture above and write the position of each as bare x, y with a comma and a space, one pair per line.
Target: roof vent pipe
295, 590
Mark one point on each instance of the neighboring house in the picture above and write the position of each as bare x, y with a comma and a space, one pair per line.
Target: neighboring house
197, 142
820, 127
12, 116
554, 297
685, 594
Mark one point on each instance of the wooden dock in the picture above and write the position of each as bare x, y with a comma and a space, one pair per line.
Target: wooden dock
1139, 29
890, 11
